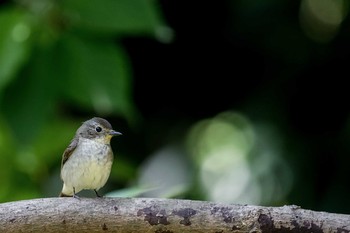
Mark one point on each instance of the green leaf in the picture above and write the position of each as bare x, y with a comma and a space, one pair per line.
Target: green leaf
97, 75
7, 155
14, 43
29, 101
113, 16
129, 192
60, 129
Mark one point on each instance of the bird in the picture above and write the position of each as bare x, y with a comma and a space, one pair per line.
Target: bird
87, 161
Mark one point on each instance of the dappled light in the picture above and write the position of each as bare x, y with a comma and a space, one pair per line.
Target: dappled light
238, 160
21, 32
321, 19
167, 173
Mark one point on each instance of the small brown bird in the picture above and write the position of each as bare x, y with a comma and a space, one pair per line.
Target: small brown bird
87, 161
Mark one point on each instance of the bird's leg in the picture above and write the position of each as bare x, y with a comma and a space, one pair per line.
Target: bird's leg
74, 195
98, 195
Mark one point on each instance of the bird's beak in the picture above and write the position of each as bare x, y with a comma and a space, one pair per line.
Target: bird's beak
114, 133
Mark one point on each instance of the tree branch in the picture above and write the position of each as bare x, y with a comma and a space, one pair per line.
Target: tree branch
160, 215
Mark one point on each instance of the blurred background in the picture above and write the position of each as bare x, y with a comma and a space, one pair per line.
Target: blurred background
234, 101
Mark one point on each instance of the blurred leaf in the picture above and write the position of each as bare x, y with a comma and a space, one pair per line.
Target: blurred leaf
23, 187
176, 191
32, 96
129, 192
97, 74
7, 151
46, 150
7, 145
110, 16
49, 150
14, 43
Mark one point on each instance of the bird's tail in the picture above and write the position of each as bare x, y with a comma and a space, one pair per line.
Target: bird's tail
67, 192
64, 195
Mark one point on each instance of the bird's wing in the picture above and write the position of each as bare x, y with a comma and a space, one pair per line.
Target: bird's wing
68, 152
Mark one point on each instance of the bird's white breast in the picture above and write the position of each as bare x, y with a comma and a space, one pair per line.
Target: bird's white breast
88, 167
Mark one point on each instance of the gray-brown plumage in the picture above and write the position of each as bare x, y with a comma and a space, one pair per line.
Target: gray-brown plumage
87, 161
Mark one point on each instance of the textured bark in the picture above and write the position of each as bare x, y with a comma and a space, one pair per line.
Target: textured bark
160, 216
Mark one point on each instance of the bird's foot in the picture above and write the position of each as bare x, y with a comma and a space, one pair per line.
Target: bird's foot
75, 195
98, 195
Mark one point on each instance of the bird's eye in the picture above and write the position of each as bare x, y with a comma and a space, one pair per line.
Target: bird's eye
98, 129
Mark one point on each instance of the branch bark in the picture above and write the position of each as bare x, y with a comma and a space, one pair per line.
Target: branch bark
160, 216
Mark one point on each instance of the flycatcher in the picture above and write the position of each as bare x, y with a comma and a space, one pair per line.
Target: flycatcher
87, 161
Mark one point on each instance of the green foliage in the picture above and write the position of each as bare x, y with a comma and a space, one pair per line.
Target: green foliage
14, 43
56, 55
112, 17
